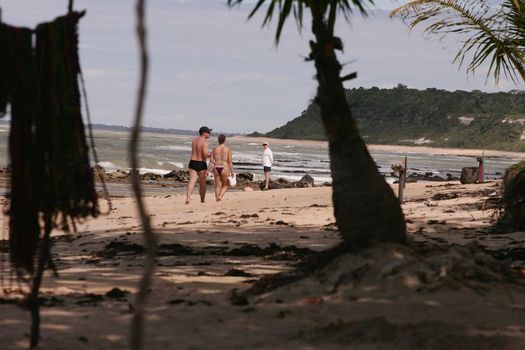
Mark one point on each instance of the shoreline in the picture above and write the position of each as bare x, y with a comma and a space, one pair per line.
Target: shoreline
396, 148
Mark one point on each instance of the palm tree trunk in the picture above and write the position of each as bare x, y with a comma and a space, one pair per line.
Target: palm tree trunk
365, 207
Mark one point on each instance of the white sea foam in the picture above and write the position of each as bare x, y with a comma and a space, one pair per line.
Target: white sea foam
173, 148
318, 180
154, 171
301, 169
108, 166
177, 164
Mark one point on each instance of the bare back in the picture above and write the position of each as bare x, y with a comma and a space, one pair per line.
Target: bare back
199, 149
222, 155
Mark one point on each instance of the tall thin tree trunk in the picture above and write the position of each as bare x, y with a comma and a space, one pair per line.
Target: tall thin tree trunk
365, 207
137, 324
34, 301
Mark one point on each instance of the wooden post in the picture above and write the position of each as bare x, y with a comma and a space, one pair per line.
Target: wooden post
405, 172
481, 170
402, 180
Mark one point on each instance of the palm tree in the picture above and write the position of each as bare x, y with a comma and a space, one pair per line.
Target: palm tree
487, 33
365, 207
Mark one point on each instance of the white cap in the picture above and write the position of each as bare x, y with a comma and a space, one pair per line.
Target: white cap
265, 143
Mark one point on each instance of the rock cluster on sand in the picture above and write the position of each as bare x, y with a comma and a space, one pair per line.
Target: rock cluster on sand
245, 180
428, 176
178, 175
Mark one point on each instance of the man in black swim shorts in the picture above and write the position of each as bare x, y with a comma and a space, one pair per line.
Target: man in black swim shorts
198, 168
198, 165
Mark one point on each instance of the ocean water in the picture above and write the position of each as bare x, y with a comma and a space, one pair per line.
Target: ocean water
162, 153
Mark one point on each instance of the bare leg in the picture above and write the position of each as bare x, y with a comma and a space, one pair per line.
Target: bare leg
218, 185
267, 177
202, 184
191, 184
224, 181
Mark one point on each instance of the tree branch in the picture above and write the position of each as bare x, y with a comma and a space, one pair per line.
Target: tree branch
136, 337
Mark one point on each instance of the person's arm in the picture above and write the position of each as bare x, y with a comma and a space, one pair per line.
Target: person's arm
230, 162
270, 155
212, 161
206, 151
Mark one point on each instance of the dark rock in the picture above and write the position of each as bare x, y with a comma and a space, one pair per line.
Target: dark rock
4, 301
4, 246
237, 299
426, 177
133, 173
151, 177
175, 249
306, 181
89, 299
119, 248
237, 273
5, 170
452, 178
83, 339
469, 175
51, 301
117, 293
178, 175
99, 172
118, 174
244, 177
444, 196
247, 216
278, 184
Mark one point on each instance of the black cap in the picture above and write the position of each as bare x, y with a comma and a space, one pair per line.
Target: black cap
204, 129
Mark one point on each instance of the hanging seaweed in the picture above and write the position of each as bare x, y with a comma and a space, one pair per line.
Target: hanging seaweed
18, 88
69, 192
51, 178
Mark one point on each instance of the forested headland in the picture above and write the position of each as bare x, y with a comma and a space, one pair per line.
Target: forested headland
432, 117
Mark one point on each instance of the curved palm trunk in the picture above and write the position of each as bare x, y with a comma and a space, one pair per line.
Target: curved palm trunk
365, 207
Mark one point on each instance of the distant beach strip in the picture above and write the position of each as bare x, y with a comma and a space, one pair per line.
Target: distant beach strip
161, 153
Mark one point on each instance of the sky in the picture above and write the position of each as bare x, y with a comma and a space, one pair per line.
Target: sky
210, 66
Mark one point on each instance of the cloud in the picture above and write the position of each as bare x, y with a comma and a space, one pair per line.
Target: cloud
211, 66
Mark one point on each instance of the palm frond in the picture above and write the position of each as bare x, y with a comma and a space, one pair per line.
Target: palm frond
486, 35
297, 7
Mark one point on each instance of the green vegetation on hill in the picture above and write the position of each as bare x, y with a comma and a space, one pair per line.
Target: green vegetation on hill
432, 117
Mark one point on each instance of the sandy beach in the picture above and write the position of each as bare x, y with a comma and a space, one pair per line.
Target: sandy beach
395, 148
210, 253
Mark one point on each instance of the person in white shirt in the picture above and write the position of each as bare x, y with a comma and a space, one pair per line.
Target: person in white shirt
267, 163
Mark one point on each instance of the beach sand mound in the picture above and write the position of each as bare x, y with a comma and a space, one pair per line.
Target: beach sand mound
395, 270
398, 297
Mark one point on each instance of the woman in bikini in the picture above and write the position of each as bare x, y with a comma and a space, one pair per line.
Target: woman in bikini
221, 158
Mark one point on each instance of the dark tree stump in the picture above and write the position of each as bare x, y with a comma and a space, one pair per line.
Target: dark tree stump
469, 175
